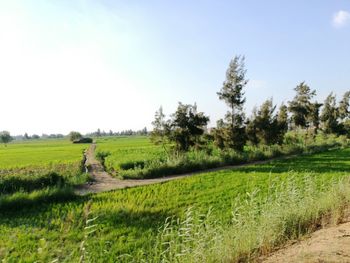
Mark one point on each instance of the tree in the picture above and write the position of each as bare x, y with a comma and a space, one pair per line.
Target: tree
315, 116
73, 135
344, 114
329, 115
161, 129
26, 136
343, 108
5, 137
219, 135
266, 123
282, 123
301, 106
232, 94
251, 128
187, 125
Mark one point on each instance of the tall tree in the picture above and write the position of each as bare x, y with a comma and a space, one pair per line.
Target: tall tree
161, 129
315, 116
329, 115
219, 134
232, 94
301, 106
251, 128
282, 123
343, 108
187, 126
5, 137
266, 123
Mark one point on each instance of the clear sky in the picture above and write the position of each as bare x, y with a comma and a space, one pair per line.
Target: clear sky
82, 65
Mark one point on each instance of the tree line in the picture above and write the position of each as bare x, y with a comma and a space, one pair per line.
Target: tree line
267, 125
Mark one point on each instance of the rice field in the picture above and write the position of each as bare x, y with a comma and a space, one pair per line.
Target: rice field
223, 216
128, 152
34, 165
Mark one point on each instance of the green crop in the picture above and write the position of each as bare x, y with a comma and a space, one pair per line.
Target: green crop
241, 211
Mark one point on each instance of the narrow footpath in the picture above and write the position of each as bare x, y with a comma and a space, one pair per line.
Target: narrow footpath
103, 182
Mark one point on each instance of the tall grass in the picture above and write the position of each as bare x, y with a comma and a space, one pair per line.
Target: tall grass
213, 157
258, 225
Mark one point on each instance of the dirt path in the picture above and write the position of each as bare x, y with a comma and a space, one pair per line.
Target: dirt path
326, 245
103, 182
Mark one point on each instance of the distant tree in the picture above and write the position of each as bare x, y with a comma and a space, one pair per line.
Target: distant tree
161, 129
252, 129
5, 137
232, 94
344, 114
301, 106
187, 125
26, 136
343, 108
35, 136
315, 116
219, 134
266, 123
329, 115
282, 123
73, 135
144, 131
98, 133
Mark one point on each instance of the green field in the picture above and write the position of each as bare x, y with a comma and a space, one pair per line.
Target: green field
137, 157
128, 152
39, 153
38, 164
250, 207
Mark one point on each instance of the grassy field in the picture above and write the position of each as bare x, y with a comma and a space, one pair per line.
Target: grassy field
128, 152
136, 157
220, 216
39, 153
32, 165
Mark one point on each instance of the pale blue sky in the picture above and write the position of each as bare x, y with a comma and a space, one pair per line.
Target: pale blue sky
83, 65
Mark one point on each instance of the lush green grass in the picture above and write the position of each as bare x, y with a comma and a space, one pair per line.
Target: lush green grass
128, 152
137, 157
32, 165
252, 208
39, 153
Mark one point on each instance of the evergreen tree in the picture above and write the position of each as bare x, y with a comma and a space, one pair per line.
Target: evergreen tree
219, 134
329, 116
282, 123
266, 123
344, 107
161, 129
301, 106
315, 116
251, 128
232, 94
187, 125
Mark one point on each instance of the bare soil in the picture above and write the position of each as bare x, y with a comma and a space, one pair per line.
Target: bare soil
330, 244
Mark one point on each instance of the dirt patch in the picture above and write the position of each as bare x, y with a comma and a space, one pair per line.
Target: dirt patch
331, 244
